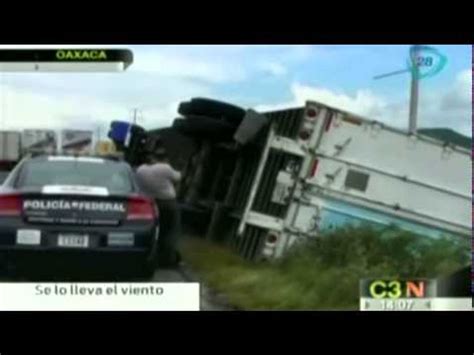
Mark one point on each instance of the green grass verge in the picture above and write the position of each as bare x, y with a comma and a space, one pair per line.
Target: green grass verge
325, 273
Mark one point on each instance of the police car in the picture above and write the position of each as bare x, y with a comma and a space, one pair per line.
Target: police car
77, 211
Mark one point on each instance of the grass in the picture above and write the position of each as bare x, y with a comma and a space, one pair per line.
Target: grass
324, 273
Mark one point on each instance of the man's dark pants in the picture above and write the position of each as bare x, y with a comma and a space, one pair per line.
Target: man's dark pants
170, 230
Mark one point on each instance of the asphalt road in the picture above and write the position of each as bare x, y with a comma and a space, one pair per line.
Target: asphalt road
210, 300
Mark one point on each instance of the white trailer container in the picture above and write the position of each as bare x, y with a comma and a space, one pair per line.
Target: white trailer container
341, 169
77, 142
10, 146
39, 141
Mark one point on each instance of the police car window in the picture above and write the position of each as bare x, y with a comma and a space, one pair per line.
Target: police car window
114, 177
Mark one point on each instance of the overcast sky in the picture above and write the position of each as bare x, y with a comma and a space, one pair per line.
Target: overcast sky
261, 77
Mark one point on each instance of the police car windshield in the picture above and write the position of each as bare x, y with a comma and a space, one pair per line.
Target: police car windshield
113, 176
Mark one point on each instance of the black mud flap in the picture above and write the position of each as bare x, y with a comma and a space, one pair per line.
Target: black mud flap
250, 127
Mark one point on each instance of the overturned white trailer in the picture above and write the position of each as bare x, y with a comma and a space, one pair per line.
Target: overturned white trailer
316, 167
348, 170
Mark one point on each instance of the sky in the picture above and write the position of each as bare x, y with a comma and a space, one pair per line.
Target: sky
262, 77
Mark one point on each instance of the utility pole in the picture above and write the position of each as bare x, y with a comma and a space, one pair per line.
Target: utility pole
414, 92
415, 74
135, 110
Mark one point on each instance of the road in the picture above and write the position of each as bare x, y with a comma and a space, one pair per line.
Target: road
210, 300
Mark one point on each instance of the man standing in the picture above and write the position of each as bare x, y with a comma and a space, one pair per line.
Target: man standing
157, 179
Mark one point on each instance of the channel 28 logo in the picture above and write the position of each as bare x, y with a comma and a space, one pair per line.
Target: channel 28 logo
425, 61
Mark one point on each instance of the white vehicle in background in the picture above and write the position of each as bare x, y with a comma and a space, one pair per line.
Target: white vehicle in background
10, 146
77, 142
10, 152
39, 141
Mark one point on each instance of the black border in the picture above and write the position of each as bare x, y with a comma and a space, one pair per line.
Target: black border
326, 30
367, 331
243, 23
267, 36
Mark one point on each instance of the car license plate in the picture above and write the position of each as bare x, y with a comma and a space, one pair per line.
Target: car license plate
73, 241
28, 237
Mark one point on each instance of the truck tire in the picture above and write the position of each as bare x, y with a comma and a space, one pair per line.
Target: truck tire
178, 123
205, 128
212, 108
185, 108
233, 123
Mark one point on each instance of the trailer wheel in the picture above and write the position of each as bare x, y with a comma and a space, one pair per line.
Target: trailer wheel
212, 108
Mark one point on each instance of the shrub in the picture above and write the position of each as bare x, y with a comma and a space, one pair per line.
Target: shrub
325, 272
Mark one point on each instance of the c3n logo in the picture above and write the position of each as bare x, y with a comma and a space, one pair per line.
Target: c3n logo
383, 289
397, 289
81, 55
